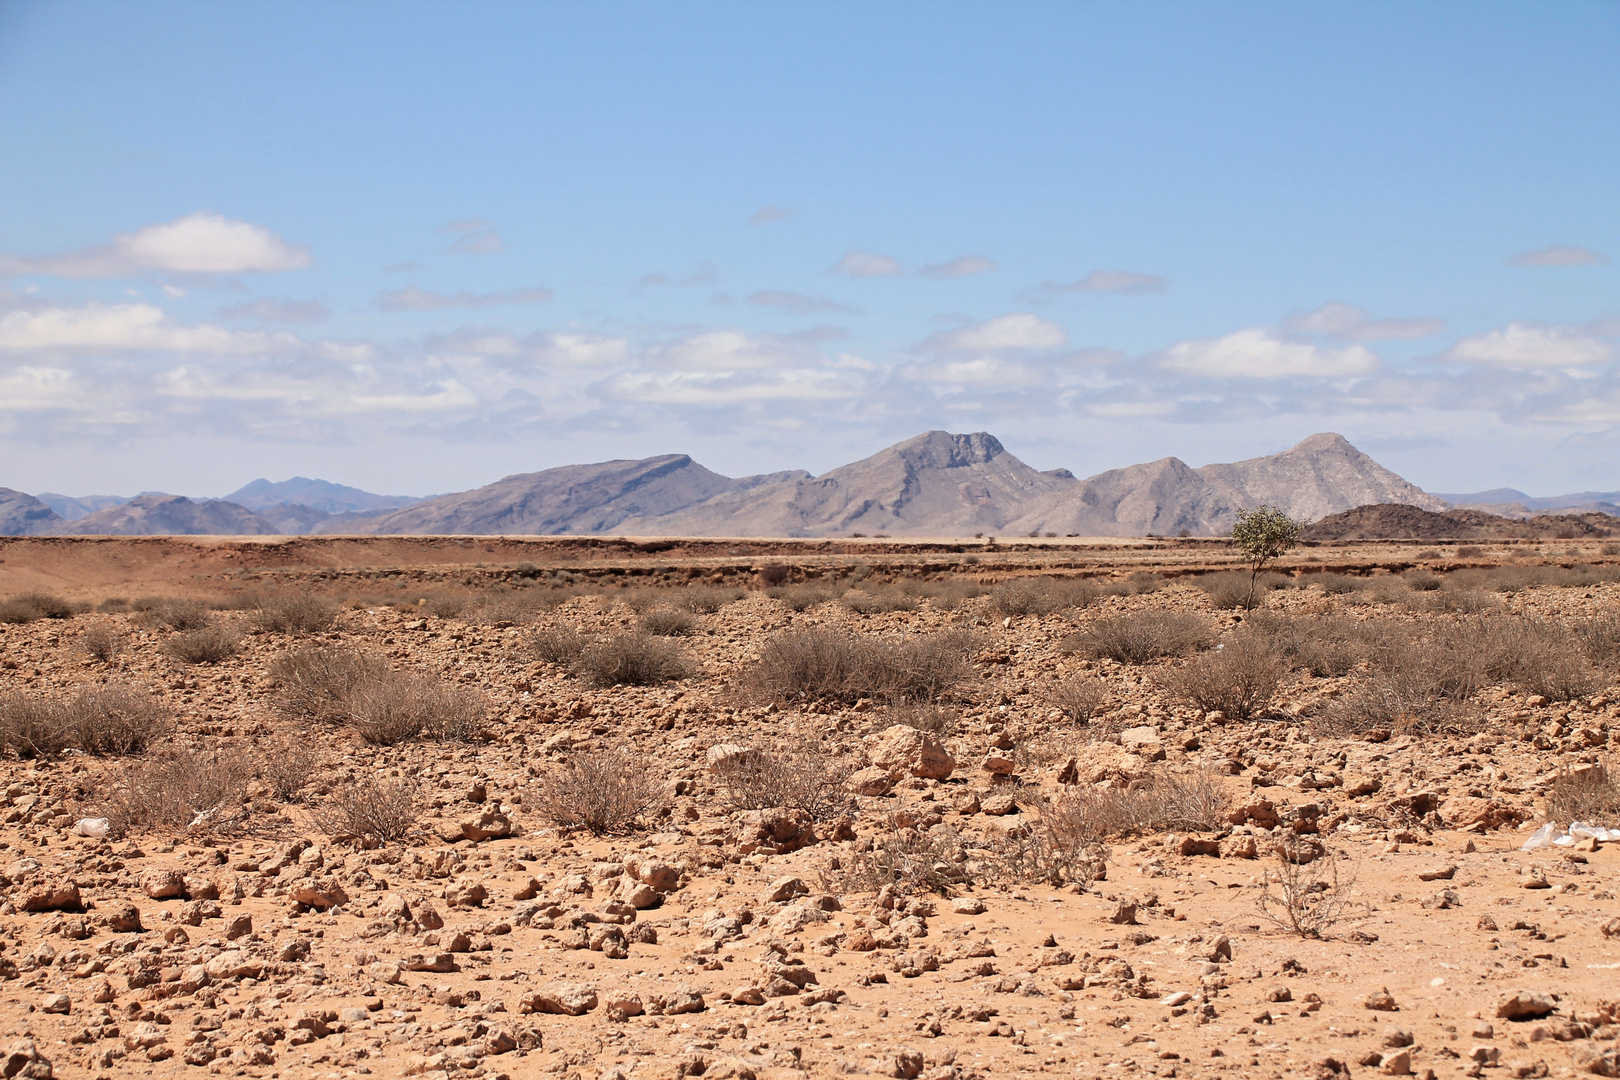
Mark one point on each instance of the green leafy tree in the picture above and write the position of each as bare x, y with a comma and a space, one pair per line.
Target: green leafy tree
1263, 534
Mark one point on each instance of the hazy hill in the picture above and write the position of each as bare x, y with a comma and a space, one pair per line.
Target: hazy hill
319, 494
170, 515
24, 515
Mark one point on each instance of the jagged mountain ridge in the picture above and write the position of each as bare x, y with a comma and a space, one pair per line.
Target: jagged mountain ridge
170, 515
323, 495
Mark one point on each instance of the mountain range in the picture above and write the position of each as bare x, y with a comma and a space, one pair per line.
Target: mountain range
936, 484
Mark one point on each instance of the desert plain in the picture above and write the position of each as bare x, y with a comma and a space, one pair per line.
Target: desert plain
633, 809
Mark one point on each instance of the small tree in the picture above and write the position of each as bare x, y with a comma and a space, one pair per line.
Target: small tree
1262, 534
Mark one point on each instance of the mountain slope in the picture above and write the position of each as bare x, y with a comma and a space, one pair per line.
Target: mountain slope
1322, 475
320, 494
169, 515
23, 515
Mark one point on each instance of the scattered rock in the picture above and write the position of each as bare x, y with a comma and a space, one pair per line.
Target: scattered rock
1525, 1005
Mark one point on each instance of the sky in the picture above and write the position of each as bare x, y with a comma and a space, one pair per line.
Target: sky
417, 247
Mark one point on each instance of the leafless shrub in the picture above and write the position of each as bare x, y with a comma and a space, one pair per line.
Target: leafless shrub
1422, 580
31, 726
879, 601
1041, 596
1226, 590
206, 645
1599, 635
370, 809
793, 777
113, 719
1335, 584
947, 595
1553, 664
447, 605
288, 764
26, 607
1238, 680
1137, 584
1079, 696
179, 789
1058, 844
801, 597
704, 599
1398, 702
828, 665
405, 707
102, 643
182, 615
631, 660
1140, 637
906, 861
557, 644
1327, 646
604, 791
317, 682
1588, 794
667, 622
1454, 601
1305, 896
1611, 548
297, 613
929, 716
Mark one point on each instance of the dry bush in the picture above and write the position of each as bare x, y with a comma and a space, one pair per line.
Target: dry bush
1611, 548
801, 597
206, 645
1470, 551
26, 607
1137, 584
1327, 646
907, 861
1455, 601
31, 726
1226, 590
1140, 637
447, 605
316, 682
1554, 665
774, 573
298, 613
792, 777
667, 622
1238, 680
829, 665
929, 716
604, 791
704, 599
179, 789
1599, 635
631, 660
288, 764
106, 719
1589, 794
182, 615
1397, 703
405, 707
1057, 845
1041, 596
102, 643
1422, 581
1335, 584
557, 644
1305, 897
1079, 696
946, 595
373, 810
878, 602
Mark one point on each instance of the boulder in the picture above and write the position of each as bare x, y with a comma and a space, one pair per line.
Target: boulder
23, 1061
163, 884
774, 832
784, 889
49, 894
1525, 1005
486, 825
569, 999
905, 751
872, 781
123, 917
320, 893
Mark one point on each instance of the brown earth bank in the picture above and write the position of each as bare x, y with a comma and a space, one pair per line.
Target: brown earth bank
488, 807
1389, 521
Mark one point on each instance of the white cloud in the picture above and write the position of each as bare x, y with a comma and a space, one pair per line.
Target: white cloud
200, 243
272, 309
960, 267
1258, 353
1530, 345
1348, 321
129, 328
981, 372
1126, 282
1017, 331
725, 351
767, 214
473, 236
798, 303
1559, 255
412, 298
863, 264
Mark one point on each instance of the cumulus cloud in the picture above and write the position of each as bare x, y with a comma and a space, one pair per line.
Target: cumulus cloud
1529, 346
1348, 321
270, 309
1018, 331
960, 267
979, 373
793, 303
200, 243
728, 368
767, 214
1259, 353
1125, 282
412, 298
473, 236
1559, 255
117, 328
865, 264
562, 349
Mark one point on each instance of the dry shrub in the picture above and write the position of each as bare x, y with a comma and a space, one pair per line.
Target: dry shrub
1079, 696
102, 643
631, 660
1238, 680
929, 716
790, 777
404, 707
879, 602
667, 622
205, 645
288, 764
1327, 646
1599, 635
1455, 601
183, 615
107, 719
1140, 637
318, 681
1422, 581
1470, 551
1335, 584
1396, 703
298, 613
828, 665
447, 605
1305, 896
946, 595
179, 789
375, 811
801, 597
1226, 590
557, 644
1057, 844
1137, 584
604, 791
26, 607
1588, 794
1041, 596
906, 861
704, 599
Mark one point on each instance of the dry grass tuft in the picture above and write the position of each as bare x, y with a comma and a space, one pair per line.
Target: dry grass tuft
26, 607
1599, 635
1079, 696
289, 764
801, 597
667, 622
406, 707
181, 790
372, 810
180, 615
1141, 637
102, 643
905, 861
796, 777
605, 791
1041, 595
318, 681
297, 613
829, 665
105, 719
929, 716
207, 644
1305, 896
557, 644
631, 660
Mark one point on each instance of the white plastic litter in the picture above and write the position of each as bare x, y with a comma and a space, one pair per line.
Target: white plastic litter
1541, 838
92, 826
1550, 835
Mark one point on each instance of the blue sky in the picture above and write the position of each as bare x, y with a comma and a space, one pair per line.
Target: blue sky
415, 247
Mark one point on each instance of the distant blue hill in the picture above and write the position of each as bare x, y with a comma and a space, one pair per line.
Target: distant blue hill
323, 495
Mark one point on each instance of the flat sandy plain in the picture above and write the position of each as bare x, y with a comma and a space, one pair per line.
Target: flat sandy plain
724, 942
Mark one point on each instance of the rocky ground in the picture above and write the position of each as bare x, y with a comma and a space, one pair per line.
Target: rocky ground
730, 943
